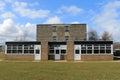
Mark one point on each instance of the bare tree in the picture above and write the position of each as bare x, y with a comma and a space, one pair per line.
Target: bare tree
92, 35
106, 36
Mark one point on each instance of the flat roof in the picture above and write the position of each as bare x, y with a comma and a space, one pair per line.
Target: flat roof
59, 24
22, 42
64, 43
93, 42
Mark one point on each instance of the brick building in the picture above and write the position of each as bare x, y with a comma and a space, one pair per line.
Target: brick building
63, 42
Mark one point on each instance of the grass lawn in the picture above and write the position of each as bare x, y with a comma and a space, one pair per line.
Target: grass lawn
59, 70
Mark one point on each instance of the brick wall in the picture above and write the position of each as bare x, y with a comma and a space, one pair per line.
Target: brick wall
70, 50
44, 50
23, 57
93, 57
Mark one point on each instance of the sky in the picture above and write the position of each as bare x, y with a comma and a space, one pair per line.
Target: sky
18, 18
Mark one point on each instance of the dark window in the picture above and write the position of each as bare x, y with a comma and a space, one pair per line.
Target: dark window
31, 51
15, 47
102, 48
9, 47
9, 51
66, 38
37, 51
31, 46
14, 51
108, 51
19, 46
63, 51
26, 51
77, 51
51, 51
19, 51
89, 51
108, 48
96, 51
102, 51
26, 47
66, 28
54, 38
96, 47
57, 51
83, 51
54, 29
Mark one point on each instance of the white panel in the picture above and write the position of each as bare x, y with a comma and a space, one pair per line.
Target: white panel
37, 56
77, 56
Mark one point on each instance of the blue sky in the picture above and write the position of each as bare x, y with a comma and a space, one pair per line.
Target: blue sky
18, 18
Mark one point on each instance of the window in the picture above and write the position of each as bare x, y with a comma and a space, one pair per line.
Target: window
66, 28
51, 51
57, 51
54, 38
66, 38
77, 51
37, 51
63, 51
54, 29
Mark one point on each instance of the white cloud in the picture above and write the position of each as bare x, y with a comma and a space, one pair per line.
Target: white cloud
73, 10
75, 22
2, 5
109, 19
23, 10
53, 20
11, 31
7, 15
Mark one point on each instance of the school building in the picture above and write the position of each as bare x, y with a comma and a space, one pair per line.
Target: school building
60, 42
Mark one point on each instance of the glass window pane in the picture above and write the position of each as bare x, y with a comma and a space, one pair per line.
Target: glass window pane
15, 47
26, 47
102, 51
9, 47
31, 51
96, 51
54, 29
51, 51
63, 51
108, 48
96, 48
20, 47
66, 38
19, 51
37, 51
89, 51
9, 51
14, 51
66, 28
26, 51
77, 51
83, 51
54, 38
108, 51
31, 46
57, 51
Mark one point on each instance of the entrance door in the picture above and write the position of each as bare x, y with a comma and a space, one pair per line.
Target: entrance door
57, 54
37, 53
77, 53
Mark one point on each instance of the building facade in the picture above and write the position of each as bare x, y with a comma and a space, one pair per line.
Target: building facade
62, 42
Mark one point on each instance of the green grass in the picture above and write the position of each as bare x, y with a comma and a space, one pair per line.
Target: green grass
2, 56
59, 70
